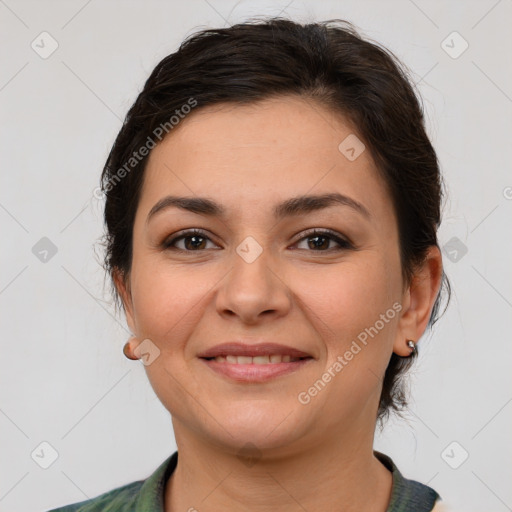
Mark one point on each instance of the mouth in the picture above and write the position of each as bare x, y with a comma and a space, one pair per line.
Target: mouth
265, 359
254, 363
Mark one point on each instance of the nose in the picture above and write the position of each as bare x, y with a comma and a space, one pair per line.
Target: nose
253, 291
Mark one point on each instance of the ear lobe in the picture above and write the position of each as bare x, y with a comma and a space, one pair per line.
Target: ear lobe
122, 285
418, 300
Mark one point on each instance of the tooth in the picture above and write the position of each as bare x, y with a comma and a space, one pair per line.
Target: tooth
261, 360
266, 359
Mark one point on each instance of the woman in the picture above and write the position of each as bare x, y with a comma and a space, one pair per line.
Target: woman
272, 202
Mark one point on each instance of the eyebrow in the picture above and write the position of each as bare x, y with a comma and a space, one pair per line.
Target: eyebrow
299, 205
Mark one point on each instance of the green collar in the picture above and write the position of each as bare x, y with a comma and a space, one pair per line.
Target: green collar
406, 494
148, 495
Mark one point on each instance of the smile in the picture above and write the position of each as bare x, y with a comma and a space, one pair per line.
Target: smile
258, 369
240, 361
264, 359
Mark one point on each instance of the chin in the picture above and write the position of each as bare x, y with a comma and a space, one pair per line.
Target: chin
246, 429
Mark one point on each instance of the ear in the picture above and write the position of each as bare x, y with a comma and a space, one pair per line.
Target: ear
122, 284
418, 300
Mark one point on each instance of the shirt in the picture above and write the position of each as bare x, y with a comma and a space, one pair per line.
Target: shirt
148, 495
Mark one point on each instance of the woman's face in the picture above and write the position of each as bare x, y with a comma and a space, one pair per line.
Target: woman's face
257, 275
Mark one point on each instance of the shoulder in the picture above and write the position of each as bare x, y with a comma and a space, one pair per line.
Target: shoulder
408, 494
116, 500
145, 494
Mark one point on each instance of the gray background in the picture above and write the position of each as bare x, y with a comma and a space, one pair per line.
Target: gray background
64, 379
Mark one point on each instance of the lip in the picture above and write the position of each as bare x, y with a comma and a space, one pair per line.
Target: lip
253, 372
236, 348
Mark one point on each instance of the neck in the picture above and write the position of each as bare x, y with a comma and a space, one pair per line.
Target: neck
338, 476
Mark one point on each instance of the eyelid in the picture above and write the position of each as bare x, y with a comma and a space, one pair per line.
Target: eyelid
184, 233
344, 243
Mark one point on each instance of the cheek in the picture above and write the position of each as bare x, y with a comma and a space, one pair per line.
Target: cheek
168, 303
354, 312
351, 297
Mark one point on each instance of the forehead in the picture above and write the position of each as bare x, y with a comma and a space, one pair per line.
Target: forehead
259, 153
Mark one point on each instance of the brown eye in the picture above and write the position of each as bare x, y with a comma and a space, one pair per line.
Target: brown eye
192, 241
320, 241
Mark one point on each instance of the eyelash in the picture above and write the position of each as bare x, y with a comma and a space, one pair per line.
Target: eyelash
344, 244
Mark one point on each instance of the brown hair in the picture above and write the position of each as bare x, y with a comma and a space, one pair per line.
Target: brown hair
328, 62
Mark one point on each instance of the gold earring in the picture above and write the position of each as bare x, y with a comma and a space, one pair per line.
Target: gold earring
127, 347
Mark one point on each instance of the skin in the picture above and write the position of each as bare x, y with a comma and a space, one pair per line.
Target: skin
317, 456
